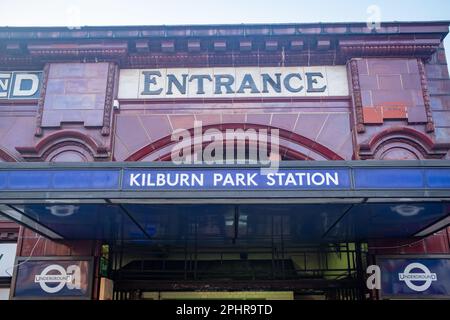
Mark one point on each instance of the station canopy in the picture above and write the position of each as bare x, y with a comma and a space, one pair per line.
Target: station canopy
300, 202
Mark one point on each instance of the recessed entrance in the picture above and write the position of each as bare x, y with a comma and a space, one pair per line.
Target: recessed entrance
308, 241
276, 269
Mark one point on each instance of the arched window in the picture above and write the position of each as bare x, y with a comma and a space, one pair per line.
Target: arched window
291, 146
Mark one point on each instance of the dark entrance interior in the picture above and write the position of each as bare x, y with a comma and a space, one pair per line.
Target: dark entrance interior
310, 250
162, 250
329, 271
239, 248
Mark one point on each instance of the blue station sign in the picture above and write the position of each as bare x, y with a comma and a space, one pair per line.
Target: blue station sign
53, 278
224, 179
236, 179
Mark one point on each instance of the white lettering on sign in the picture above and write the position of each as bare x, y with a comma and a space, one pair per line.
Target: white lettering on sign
70, 278
170, 179
231, 180
236, 180
303, 178
412, 279
20, 85
18, 90
5, 79
233, 82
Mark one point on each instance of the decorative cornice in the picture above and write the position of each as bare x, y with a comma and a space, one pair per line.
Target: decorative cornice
149, 45
13, 62
74, 50
426, 95
357, 98
224, 31
237, 58
407, 47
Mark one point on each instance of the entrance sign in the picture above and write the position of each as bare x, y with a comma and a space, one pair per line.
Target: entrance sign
233, 82
20, 85
415, 276
53, 277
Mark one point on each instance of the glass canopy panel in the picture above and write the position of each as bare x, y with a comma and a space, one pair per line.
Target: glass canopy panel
302, 223
179, 222
297, 223
387, 220
84, 221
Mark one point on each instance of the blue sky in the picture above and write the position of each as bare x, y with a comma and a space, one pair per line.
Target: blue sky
158, 12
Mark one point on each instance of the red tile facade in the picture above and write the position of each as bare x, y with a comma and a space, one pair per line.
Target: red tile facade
327, 126
393, 88
398, 108
75, 93
439, 88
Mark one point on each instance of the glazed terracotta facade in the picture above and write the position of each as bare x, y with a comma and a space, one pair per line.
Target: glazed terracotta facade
398, 107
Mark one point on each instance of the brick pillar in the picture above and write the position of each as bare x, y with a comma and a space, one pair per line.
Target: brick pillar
438, 80
409, 100
391, 97
73, 123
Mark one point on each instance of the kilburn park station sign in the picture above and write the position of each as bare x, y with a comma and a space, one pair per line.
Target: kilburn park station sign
235, 179
224, 179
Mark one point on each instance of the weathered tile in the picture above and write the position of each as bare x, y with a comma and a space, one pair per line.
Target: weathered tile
131, 132
389, 97
157, 126
411, 81
372, 115
285, 121
182, 121
387, 66
417, 114
394, 112
390, 82
309, 124
367, 82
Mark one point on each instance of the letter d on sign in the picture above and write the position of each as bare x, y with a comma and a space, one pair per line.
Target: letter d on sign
25, 85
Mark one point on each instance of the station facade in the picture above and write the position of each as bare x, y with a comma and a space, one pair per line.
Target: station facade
77, 104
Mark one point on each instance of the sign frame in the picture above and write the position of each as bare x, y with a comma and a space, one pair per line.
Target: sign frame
12, 80
407, 257
90, 277
380, 192
238, 82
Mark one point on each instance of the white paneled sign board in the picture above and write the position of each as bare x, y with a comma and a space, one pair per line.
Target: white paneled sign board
322, 81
